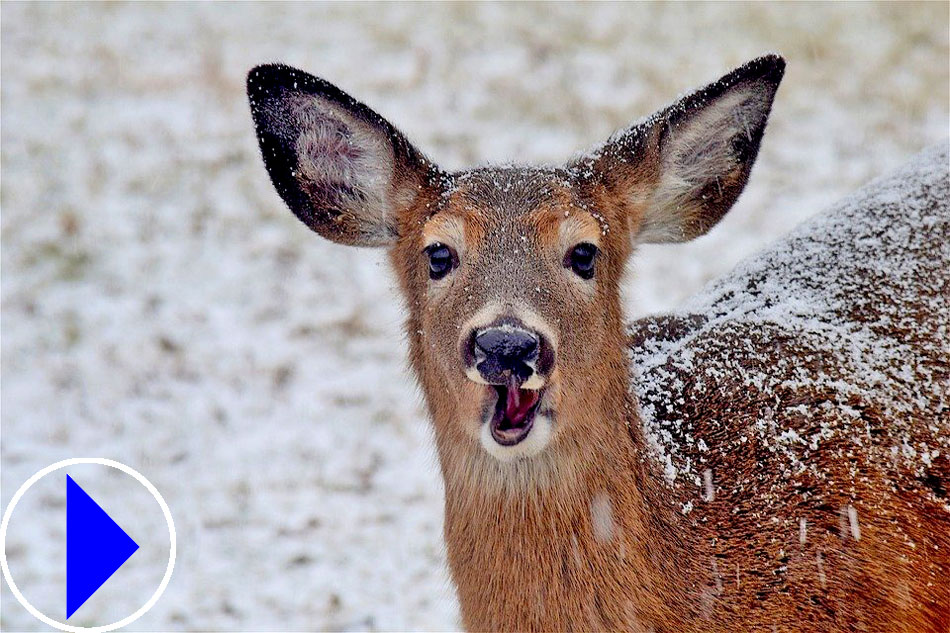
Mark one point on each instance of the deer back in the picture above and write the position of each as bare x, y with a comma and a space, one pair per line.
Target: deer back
800, 412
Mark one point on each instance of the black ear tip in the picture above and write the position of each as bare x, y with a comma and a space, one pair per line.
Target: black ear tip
274, 80
267, 79
770, 67
261, 78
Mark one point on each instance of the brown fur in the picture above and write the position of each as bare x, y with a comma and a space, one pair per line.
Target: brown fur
522, 539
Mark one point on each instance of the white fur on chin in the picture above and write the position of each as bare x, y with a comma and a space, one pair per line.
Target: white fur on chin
538, 438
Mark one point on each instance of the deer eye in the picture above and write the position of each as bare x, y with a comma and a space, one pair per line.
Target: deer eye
442, 259
581, 258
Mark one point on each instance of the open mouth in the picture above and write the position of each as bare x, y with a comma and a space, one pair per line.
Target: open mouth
514, 413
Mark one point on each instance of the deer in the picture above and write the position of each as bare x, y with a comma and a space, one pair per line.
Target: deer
773, 456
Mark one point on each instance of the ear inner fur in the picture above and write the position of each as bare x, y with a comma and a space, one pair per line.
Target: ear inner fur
677, 173
342, 169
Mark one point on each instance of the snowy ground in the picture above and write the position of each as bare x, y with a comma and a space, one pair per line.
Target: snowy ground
161, 307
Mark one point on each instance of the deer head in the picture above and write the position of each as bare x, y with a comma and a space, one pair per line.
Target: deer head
511, 275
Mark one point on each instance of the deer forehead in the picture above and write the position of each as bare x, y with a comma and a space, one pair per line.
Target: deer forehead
509, 212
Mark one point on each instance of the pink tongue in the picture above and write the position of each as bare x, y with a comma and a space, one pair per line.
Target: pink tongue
519, 403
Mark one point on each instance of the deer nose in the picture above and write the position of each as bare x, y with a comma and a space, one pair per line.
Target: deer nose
503, 351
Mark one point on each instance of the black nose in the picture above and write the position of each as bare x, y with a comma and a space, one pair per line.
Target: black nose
504, 350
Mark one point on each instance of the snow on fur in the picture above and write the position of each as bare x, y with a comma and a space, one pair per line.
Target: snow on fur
838, 334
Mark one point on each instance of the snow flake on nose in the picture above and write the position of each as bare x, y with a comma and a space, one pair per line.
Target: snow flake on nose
604, 225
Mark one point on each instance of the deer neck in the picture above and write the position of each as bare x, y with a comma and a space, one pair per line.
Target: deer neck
576, 538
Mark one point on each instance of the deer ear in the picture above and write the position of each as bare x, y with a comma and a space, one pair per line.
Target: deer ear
340, 167
677, 174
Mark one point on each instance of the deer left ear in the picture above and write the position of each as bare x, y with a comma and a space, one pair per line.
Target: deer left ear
677, 174
340, 167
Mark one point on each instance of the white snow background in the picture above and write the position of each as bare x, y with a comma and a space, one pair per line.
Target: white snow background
161, 307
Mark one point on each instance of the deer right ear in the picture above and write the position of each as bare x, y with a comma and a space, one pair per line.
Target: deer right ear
340, 167
677, 174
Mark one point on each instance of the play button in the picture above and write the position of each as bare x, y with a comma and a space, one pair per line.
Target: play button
106, 528
95, 546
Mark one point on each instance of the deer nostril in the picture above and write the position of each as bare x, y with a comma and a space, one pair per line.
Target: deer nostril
507, 344
507, 350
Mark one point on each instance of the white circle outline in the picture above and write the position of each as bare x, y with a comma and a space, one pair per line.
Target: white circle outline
128, 470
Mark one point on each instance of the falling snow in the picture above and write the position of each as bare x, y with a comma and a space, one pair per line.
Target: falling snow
602, 517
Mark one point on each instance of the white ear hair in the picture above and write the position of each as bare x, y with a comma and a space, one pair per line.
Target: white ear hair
678, 172
697, 151
348, 156
340, 167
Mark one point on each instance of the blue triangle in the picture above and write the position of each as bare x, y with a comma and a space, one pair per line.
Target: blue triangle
95, 546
